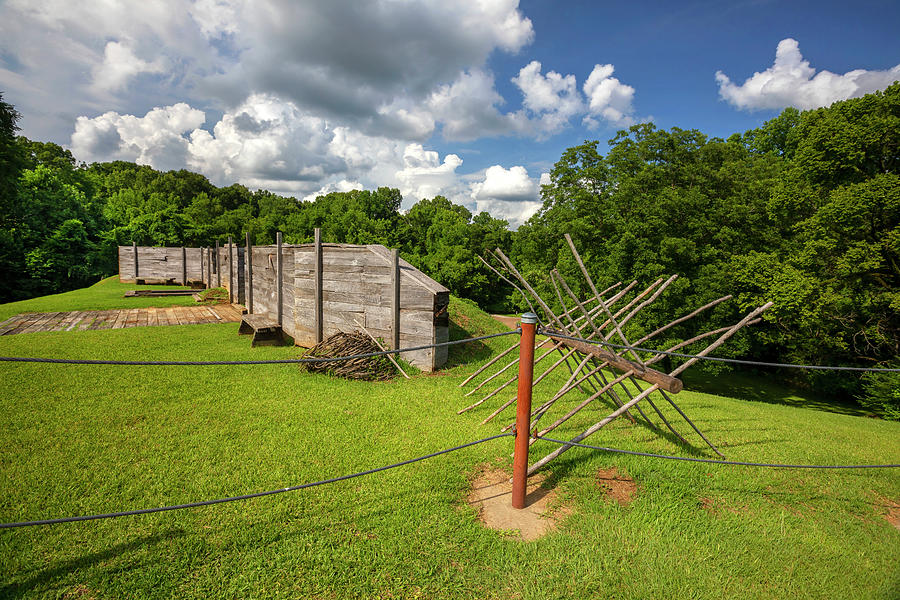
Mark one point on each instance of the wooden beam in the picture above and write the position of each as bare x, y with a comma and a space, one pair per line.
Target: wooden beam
395, 297
231, 272
666, 382
279, 270
249, 275
218, 270
134, 246
317, 287
184, 266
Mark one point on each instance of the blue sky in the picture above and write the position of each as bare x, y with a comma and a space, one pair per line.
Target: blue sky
472, 100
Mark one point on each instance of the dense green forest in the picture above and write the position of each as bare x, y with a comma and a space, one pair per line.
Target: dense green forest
803, 211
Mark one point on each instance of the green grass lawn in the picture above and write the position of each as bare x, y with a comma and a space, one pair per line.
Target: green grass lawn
89, 439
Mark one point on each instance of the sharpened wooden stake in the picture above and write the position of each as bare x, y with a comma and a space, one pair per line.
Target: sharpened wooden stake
603, 422
523, 410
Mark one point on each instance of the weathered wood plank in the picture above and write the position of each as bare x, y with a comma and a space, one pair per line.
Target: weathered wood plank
666, 382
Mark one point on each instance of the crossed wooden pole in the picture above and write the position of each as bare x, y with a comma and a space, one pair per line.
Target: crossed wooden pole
601, 362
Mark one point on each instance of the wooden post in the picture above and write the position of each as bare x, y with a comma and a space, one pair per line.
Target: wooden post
320, 316
202, 271
523, 410
241, 294
395, 297
134, 246
249, 275
230, 271
279, 269
218, 270
184, 266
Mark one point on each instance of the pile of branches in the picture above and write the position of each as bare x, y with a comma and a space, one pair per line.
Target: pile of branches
349, 344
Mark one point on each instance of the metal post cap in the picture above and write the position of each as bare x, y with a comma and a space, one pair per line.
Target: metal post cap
529, 317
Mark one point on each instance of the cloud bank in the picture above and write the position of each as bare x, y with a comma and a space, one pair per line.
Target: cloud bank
296, 96
791, 81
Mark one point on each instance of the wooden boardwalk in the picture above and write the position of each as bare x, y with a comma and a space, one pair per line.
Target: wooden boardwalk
119, 318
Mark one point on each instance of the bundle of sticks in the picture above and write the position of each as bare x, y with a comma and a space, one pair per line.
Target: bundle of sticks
610, 373
349, 344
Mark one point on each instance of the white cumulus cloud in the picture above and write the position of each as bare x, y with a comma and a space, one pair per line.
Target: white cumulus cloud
120, 66
791, 81
507, 194
552, 99
608, 98
468, 107
424, 175
156, 139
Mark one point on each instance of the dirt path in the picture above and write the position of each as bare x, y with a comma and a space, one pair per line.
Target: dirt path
510, 322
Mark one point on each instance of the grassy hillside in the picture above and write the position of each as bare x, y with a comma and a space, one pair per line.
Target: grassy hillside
89, 439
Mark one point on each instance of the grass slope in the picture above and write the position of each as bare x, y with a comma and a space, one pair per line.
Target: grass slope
88, 439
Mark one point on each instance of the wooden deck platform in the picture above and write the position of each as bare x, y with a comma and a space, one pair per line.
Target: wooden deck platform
119, 318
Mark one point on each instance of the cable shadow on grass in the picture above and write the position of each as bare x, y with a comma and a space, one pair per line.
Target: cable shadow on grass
46, 576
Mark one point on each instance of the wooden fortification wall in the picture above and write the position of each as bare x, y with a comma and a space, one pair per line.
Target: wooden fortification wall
352, 286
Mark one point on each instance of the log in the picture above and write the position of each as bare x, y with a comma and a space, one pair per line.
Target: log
666, 382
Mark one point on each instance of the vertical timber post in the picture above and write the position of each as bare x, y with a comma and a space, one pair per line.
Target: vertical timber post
184, 266
395, 297
523, 410
202, 268
279, 271
134, 246
249, 275
218, 267
230, 270
320, 316
240, 294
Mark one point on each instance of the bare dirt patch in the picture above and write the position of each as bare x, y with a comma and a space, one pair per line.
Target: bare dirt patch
892, 510
617, 486
491, 494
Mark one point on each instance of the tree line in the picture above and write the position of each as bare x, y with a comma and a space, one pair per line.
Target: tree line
803, 211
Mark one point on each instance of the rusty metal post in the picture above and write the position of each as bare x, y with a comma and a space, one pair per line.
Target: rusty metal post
523, 409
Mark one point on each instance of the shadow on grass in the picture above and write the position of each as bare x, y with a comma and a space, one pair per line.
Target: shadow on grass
760, 388
463, 354
46, 577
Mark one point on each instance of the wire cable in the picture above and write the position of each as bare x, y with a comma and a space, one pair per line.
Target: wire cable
155, 363
718, 462
302, 486
736, 361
